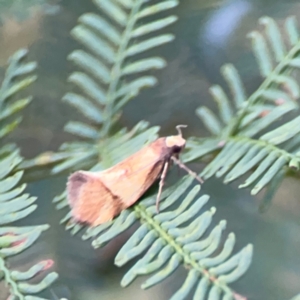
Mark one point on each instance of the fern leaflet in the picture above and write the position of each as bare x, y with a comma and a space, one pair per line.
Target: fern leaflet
17, 77
243, 130
14, 203
110, 75
172, 238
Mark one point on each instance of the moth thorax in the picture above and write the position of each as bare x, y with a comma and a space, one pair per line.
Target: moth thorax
175, 142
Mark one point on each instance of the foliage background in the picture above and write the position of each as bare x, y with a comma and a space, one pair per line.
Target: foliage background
194, 60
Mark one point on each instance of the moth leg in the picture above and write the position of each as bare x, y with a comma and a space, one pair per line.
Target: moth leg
161, 184
184, 167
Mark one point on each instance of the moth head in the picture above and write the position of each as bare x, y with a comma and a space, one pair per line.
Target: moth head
176, 142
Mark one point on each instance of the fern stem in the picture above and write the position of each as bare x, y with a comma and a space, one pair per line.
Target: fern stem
116, 69
279, 69
264, 144
188, 260
8, 279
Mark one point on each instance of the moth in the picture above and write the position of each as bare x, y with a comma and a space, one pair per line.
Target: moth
97, 197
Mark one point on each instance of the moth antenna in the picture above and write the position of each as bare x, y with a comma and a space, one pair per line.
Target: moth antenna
179, 130
184, 167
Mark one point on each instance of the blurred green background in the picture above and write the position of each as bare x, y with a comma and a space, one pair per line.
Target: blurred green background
208, 34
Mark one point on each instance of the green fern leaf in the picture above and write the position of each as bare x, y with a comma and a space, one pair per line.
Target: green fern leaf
248, 153
18, 76
112, 45
291, 29
170, 242
239, 130
14, 203
278, 83
109, 75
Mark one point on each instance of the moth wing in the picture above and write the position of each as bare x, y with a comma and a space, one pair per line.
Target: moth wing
130, 178
98, 197
134, 182
90, 200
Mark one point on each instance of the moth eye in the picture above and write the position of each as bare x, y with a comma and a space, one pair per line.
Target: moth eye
177, 149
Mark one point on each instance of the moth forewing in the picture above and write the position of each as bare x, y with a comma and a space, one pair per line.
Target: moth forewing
91, 197
97, 197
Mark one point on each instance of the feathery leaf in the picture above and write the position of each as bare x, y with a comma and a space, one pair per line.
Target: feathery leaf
15, 205
242, 139
175, 237
18, 76
105, 82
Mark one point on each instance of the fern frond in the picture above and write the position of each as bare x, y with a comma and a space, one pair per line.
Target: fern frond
176, 237
278, 87
239, 130
110, 74
267, 155
15, 205
18, 76
267, 160
112, 45
264, 106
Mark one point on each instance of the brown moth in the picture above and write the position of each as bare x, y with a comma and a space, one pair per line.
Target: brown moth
97, 197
